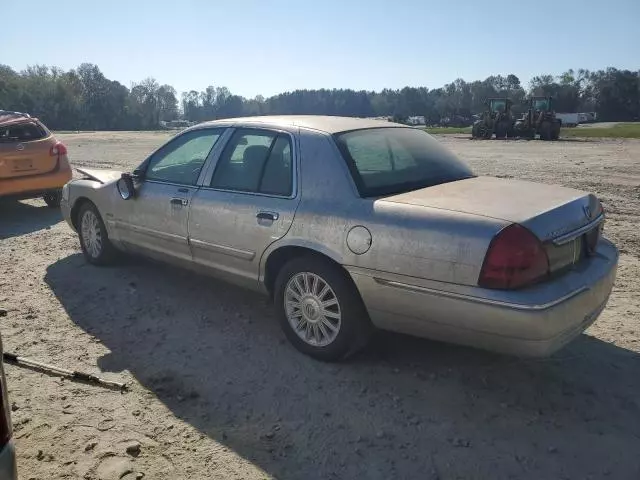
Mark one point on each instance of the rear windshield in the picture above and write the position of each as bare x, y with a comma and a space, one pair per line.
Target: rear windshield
22, 132
385, 161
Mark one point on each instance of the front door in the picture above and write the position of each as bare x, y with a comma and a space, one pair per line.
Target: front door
248, 204
155, 221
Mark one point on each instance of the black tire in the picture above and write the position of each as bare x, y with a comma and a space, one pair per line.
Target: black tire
53, 198
354, 329
545, 130
501, 130
555, 131
106, 253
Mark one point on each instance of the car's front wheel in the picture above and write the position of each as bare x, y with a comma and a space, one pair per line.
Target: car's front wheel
320, 310
94, 240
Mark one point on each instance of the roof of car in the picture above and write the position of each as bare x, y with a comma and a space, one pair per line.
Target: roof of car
8, 117
324, 123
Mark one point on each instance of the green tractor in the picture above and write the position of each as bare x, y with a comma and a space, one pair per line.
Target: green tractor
540, 119
497, 119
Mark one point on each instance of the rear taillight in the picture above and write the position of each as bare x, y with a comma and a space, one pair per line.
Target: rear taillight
58, 149
515, 258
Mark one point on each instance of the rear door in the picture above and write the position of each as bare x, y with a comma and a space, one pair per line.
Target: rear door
248, 204
25, 149
155, 221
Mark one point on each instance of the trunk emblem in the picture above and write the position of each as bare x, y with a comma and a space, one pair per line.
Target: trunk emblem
20, 147
587, 212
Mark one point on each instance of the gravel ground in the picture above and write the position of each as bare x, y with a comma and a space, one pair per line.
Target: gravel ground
217, 392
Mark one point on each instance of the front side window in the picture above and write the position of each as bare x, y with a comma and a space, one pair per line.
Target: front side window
385, 161
181, 160
257, 161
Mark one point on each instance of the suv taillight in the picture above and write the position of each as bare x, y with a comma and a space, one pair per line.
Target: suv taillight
58, 149
515, 258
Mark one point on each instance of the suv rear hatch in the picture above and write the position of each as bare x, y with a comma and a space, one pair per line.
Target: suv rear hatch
567, 221
26, 149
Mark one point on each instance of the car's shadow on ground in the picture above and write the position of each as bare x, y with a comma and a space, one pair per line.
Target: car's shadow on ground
404, 408
19, 218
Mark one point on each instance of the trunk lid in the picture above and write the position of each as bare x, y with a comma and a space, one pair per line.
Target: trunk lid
25, 150
549, 211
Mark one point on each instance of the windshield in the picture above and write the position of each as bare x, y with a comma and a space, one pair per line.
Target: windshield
498, 105
541, 104
385, 161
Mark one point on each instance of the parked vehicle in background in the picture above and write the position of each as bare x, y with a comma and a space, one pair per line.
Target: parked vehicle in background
33, 163
496, 119
540, 119
351, 224
569, 119
587, 117
7, 452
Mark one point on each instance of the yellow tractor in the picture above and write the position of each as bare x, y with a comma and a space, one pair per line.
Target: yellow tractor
540, 119
496, 120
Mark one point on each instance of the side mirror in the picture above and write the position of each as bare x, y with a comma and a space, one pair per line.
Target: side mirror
125, 186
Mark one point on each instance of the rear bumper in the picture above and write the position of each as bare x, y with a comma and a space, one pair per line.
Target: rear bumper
536, 321
8, 469
31, 186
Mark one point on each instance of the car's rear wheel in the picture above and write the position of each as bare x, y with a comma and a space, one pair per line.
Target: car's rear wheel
320, 310
94, 240
53, 198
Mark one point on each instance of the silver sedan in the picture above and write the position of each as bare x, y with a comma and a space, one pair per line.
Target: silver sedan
351, 225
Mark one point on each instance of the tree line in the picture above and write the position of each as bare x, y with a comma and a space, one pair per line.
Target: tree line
84, 99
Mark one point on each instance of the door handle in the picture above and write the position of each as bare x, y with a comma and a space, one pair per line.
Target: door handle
183, 190
273, 216
183, 202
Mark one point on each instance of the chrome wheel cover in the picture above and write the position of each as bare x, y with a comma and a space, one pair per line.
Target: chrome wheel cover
312, 309
91, 234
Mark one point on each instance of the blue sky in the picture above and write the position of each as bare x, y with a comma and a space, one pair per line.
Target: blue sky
270, 46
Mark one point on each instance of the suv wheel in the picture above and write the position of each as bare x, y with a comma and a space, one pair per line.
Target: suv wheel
53, 198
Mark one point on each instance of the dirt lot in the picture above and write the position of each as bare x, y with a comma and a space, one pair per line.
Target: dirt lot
216, 392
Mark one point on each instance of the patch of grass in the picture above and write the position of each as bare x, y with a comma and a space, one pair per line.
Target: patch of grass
447, 130
621, 130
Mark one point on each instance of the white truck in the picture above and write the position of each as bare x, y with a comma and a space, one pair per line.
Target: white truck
569, 119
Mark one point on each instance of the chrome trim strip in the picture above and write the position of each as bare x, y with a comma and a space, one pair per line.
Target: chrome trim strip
153, 233
224, 249
567, 237
486, 301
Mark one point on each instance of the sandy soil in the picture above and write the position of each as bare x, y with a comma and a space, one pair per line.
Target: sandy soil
217, 392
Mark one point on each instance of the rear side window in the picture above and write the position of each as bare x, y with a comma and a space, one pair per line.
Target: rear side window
22, 132
385, 161
257, 161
